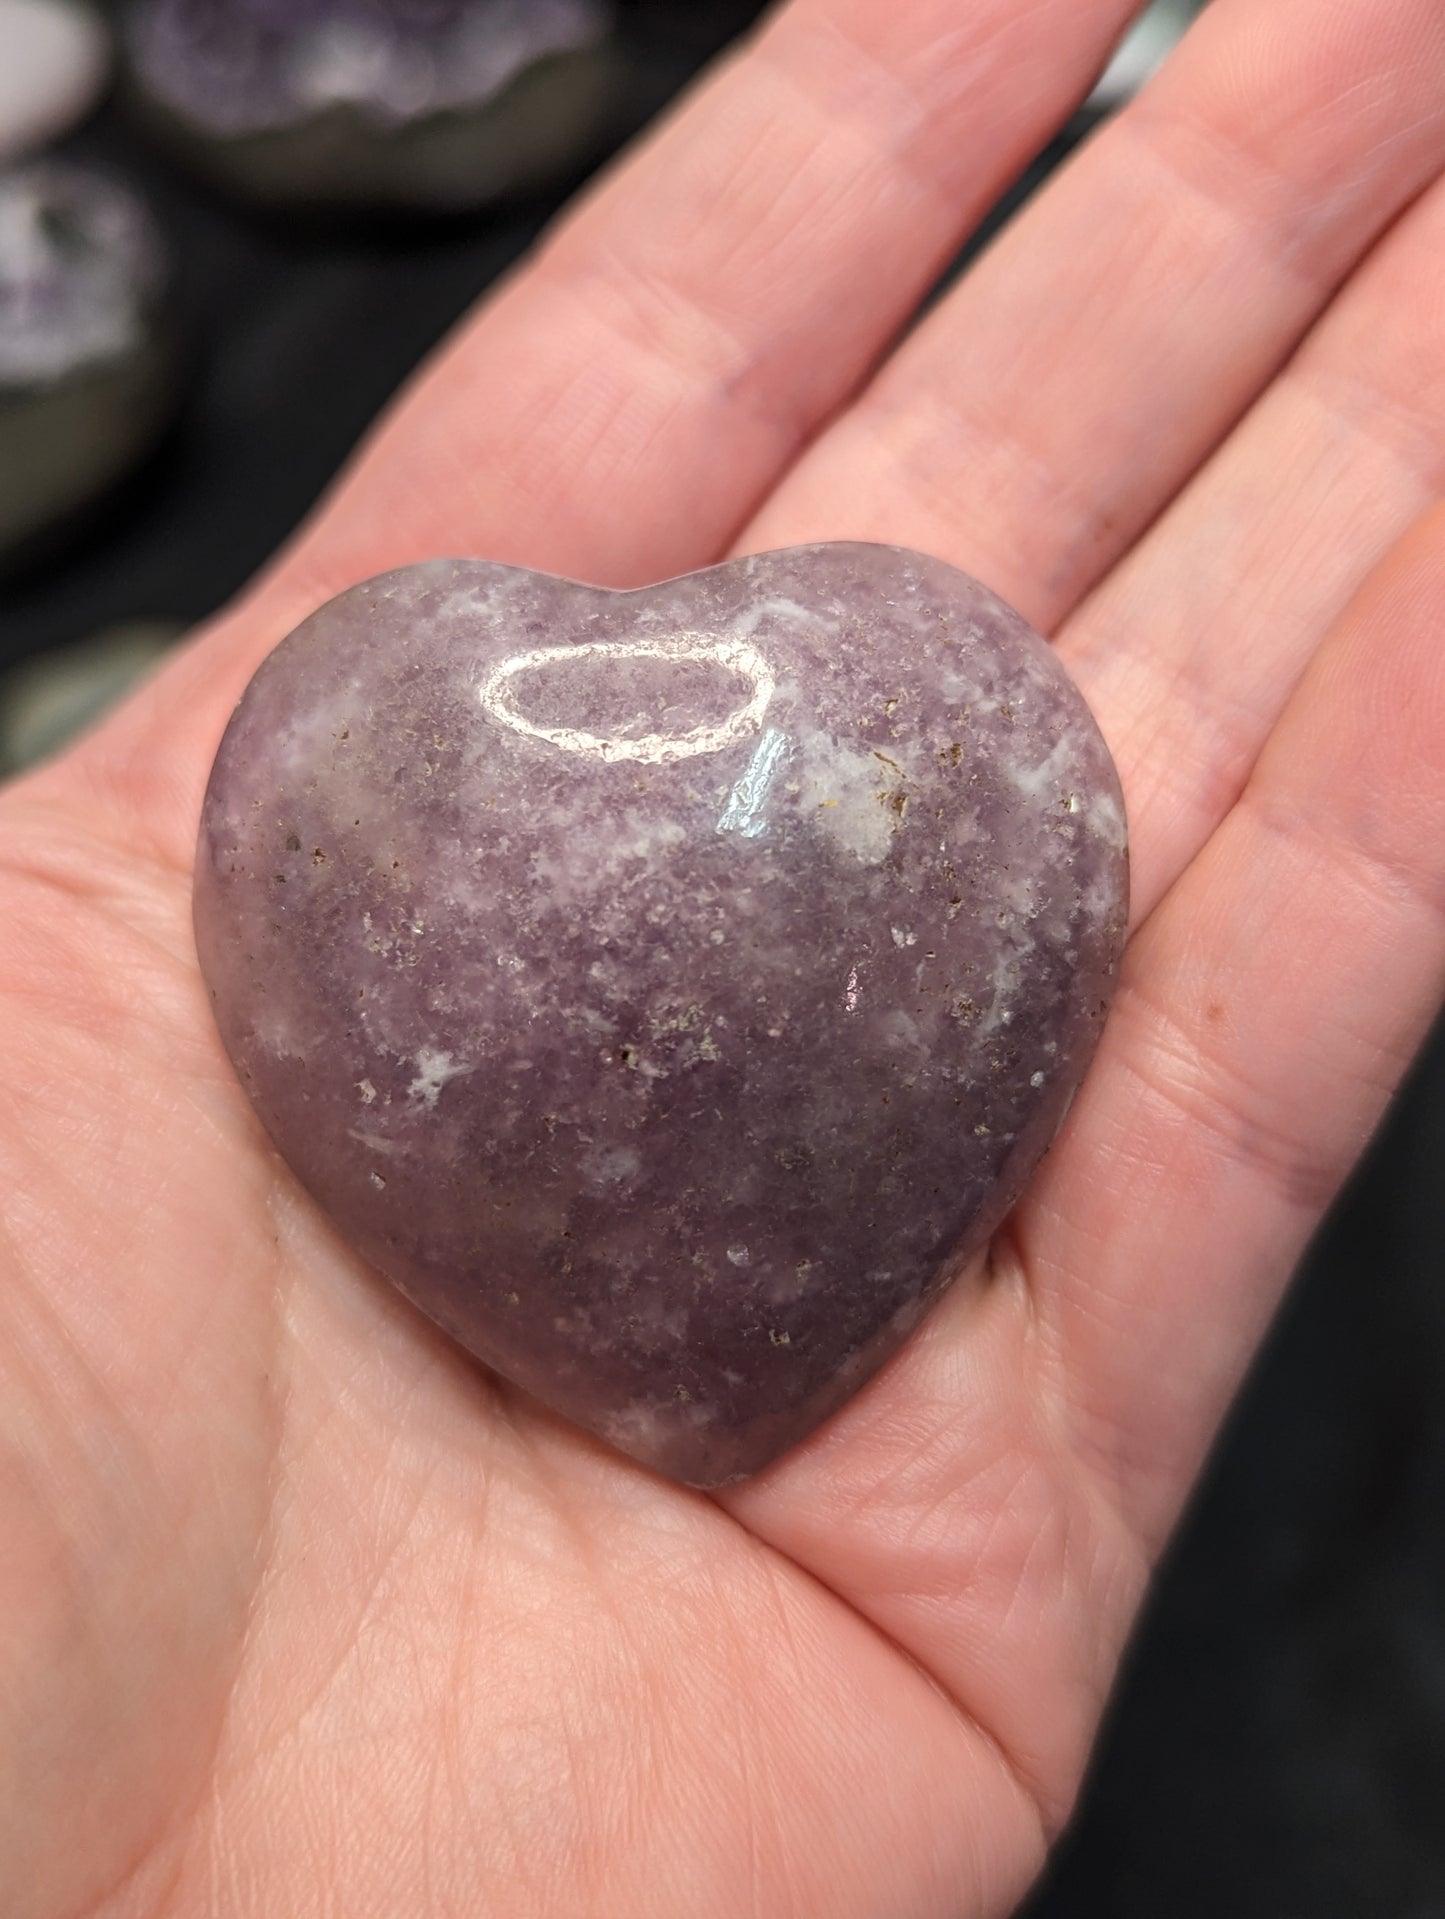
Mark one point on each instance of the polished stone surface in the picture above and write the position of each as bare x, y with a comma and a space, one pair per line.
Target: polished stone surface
667, 990
87, 358
435, 105
54, 62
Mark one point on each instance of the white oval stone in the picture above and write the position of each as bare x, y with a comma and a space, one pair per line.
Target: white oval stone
54, 60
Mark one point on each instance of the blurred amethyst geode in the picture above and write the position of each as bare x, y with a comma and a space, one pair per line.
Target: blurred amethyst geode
87, 348
433, 104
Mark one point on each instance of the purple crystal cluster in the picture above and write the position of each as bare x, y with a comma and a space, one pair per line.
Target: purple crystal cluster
54, 62
667, 990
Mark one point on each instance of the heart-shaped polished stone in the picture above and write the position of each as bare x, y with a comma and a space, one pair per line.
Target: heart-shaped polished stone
668, 990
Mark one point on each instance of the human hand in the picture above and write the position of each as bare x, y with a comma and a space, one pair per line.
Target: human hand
299, 1612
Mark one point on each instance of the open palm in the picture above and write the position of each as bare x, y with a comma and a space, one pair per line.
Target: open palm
300, 1613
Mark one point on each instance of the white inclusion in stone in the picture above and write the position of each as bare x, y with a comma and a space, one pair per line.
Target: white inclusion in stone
434, 1070
610, 1165
374, 1142
743, 812
1107, 820
850, 991
848, 793
739, 1256
653, 749
643, 1427
277, 1034
1038, 782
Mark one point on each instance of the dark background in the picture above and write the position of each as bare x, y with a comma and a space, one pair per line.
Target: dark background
1277, 1746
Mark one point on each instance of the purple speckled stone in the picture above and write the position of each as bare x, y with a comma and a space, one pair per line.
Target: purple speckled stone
668, 990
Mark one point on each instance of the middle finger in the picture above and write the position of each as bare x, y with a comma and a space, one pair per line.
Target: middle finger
1048, 409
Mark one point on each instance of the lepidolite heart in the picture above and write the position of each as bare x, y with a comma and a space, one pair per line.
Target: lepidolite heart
668, 990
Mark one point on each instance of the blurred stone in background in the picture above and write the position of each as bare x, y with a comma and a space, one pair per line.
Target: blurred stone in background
45, 702
428, 105
86, 349
54, 65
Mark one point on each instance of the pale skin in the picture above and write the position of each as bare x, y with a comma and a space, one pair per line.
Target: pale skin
300, 1613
